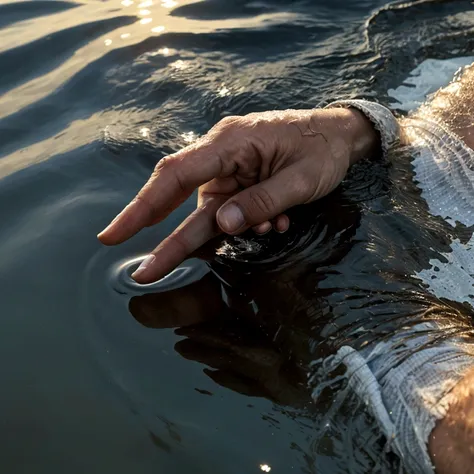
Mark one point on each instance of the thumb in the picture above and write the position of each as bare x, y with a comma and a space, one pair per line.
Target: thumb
264, 201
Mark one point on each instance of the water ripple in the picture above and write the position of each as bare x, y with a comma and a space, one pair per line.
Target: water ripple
185, 274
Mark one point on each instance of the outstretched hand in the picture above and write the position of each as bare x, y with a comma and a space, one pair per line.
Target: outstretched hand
249, 170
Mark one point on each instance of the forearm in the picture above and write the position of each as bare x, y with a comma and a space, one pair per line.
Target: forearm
453, 106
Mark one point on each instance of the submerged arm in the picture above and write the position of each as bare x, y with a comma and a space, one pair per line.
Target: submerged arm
453, 106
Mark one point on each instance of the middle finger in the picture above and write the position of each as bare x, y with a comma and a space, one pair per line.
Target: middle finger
194, 232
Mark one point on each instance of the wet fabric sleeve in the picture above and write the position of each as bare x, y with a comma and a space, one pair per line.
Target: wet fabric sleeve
405, 382
383, 120
444, 169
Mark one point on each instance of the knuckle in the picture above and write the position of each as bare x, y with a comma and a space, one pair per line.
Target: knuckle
146, 204
261, 203
171, 166
229, 120
180, 243
269, 117
228, 124
164, 163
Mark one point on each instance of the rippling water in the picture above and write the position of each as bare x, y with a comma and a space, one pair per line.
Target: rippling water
91, 95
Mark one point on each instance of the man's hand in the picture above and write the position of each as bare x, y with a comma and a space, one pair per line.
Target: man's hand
249, 170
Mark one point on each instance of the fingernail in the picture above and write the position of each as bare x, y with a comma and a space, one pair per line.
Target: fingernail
281, 230
146, 262
264, 229
230, 218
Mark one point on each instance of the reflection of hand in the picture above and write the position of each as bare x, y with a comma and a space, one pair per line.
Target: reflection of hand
250, 170
244, 360
192, 304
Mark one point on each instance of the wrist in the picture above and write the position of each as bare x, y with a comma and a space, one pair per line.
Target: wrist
364, 140
377, 121
349, 134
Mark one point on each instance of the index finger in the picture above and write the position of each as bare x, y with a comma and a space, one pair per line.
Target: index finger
173, 181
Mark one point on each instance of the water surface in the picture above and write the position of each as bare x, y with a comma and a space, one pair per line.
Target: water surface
92, 95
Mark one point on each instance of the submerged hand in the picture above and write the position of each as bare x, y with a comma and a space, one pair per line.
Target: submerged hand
249, 170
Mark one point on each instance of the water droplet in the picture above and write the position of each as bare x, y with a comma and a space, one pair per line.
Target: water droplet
158, 29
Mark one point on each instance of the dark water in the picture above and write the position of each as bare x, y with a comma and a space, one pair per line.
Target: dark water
91, 96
